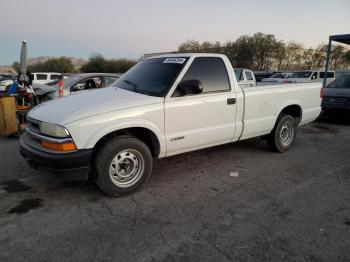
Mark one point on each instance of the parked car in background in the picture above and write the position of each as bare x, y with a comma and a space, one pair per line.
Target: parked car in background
5, 76
277, 78
260, 75
245, 77
74, 83
45, 77
336, 96
5, 81
309, 76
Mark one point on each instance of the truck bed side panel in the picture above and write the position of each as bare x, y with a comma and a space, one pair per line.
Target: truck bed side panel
263, 104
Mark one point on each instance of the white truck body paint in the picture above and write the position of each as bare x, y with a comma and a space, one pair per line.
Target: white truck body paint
181, 124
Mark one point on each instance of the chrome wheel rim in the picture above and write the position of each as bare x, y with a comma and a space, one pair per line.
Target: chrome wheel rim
126, 168
286, 133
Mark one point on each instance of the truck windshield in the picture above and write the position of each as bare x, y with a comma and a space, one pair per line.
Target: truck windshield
303, 74
152, 77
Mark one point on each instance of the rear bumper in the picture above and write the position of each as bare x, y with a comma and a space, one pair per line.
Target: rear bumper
330, 106
75, 165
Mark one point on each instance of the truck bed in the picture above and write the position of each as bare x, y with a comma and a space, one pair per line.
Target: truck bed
262, 105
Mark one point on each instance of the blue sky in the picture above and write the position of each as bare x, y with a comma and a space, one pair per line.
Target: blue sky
131, 28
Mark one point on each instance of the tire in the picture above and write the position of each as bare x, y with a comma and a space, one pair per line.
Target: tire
123, 165
283, 135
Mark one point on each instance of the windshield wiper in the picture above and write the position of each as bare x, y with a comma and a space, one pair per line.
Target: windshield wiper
133, 84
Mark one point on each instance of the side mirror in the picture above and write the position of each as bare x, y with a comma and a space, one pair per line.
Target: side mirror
189, 87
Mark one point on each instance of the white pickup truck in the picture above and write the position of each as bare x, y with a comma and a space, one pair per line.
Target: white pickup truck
163, 106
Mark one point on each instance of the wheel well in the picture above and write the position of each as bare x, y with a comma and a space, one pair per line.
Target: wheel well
144, 134
293, 110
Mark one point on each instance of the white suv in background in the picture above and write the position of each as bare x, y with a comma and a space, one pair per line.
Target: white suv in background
310, 76
45, 77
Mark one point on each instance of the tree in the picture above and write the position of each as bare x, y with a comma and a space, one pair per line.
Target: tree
279, 55
60, 65
291, 56
16, 66
307, 62
337, 57
189, 46
319, 57
240, 52
98, 64
264, 50
95, 64
347, 57
119, 65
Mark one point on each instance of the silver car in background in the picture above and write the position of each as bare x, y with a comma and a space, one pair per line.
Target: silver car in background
277, 78
74, 83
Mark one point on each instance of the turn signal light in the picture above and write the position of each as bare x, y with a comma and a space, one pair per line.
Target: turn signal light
59, 147
321, 93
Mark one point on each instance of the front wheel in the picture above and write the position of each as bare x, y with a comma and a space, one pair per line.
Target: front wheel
123, 165
283, 135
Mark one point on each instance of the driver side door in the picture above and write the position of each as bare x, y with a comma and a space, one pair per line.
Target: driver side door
201, 120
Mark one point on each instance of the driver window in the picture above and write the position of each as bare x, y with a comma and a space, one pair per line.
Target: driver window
314, 75
211, 72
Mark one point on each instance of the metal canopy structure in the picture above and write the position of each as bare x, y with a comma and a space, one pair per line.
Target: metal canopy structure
344, 39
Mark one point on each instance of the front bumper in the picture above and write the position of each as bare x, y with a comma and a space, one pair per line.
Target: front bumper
75, 165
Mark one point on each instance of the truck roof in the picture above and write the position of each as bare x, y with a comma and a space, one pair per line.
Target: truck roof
188, 55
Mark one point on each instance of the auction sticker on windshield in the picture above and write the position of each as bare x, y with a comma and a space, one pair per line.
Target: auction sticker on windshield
174, 60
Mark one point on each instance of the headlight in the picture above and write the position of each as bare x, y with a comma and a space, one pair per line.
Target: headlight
53, 130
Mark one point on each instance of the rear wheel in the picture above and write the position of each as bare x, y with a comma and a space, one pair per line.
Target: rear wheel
123, 165
283, 135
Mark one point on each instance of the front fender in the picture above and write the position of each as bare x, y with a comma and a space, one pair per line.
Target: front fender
129, 124
86, 132
95, 131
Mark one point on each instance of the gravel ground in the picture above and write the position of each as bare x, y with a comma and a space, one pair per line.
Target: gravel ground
237, 202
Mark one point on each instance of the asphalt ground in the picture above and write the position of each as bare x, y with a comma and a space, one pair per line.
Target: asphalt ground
236, 202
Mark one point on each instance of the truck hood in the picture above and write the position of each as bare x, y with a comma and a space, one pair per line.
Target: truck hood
85, 104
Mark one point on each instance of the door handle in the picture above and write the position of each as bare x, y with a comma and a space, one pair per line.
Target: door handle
231, 101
